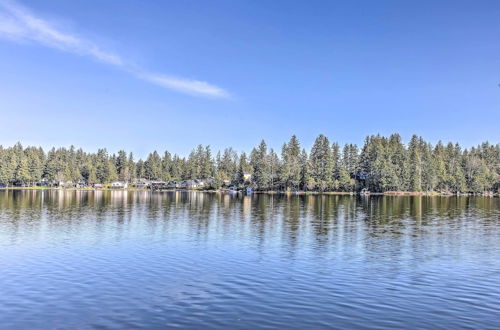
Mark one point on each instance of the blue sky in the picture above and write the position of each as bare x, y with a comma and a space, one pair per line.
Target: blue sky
172, 74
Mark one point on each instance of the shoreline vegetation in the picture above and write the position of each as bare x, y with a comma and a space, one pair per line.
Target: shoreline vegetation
342, 193
382, 166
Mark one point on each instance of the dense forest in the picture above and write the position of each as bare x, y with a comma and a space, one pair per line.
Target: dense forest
381, 164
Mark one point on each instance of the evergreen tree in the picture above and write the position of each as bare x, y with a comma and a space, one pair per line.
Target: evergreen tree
152, 166
122, 166
244, 167
336, 165
102, 168
227, 165
383, 164
166, 165
8, 165
291, 168
321, 163
207, 168
35, 164
414, 165
131, 167
260, 162
22, 174
176, 172
456, 178
306, 181
274, 169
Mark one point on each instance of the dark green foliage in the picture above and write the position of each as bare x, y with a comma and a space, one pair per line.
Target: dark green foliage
321, 164
260, 161
384, 164
153, 166
291, 170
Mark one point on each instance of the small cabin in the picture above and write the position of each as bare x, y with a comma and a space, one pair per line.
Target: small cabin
159, 185
66, 184
190, 184
81, 183
141, 184
173, 184
119, 185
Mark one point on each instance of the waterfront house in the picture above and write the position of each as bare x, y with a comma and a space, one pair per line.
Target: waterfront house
190, 184
66, 184
45, 183
247, 177
173, 184
81, 183
119, 185
158, 185
208, 181
142, 183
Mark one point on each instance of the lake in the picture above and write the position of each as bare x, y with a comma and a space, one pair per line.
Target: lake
118, 259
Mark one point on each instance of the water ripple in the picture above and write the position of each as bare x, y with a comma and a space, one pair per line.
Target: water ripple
120, 260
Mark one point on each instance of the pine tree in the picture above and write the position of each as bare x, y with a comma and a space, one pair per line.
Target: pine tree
244, 168
8, 166
122, 166
306, 180
344, 180
321, 163
102, 168
291, 170
456, 177
166, 165
274, 169
176, 168
383, 164
112, 174
22, 174
207, 164
227, 165
152, 166
336, 165
415, 164
35, 164
260, 162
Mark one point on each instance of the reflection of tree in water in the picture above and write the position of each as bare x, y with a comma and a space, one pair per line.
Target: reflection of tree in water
324, 223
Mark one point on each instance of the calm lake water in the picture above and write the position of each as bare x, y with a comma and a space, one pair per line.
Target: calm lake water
205, 260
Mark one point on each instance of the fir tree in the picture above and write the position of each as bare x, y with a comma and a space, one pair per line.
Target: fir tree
321, 163
291, 169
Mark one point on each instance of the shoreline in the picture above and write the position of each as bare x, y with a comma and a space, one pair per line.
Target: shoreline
272, 192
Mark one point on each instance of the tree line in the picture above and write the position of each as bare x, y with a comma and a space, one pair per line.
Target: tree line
381, 164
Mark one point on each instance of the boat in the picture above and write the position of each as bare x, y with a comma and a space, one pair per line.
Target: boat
364, 192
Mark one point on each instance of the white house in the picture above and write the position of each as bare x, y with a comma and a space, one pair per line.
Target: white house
119, 185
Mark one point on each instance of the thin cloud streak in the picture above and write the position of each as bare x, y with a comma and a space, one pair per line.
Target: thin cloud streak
193, 87
18, 24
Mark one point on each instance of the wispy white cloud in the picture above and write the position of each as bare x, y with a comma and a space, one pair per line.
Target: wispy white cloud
19, 24
184, 85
